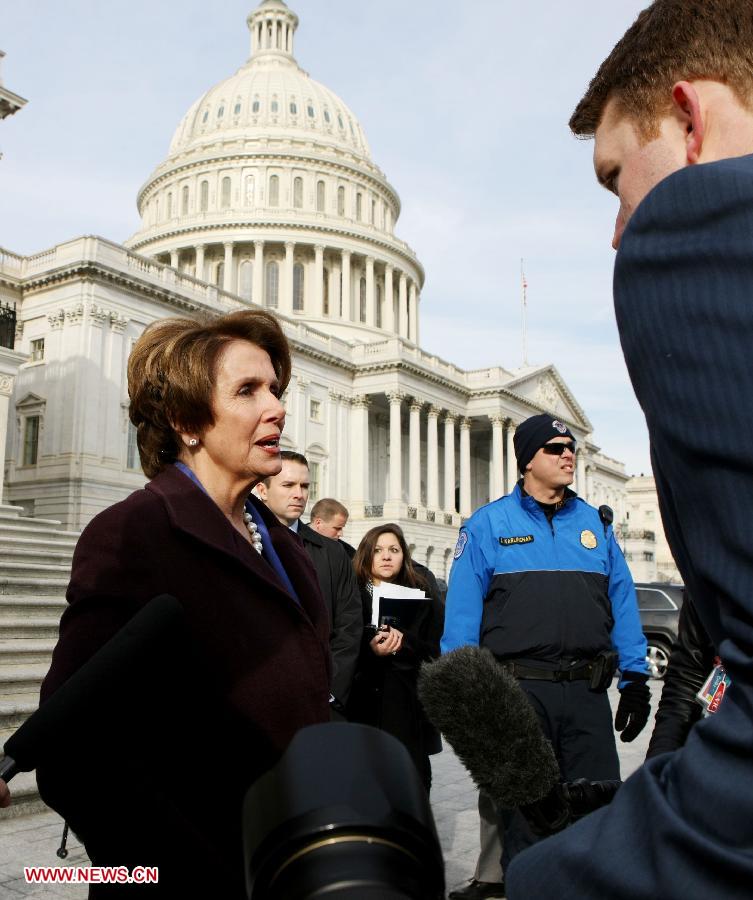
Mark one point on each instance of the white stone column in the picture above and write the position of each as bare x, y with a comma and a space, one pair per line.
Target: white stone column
403, 306
10, 360
580, 474
318, 280
388, 320
343, 445
449, 462
286, 293
257, 291
396, 450
359, 455
174, 259
345, 300
414, 454
432, 459
413, 318
465, 467
370, 298
497, 466
512, 465
589, 484
227, 272
200, 261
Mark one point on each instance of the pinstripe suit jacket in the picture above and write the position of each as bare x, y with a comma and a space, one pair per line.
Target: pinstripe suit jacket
682, 826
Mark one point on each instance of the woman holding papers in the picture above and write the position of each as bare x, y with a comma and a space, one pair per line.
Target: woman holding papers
403, 622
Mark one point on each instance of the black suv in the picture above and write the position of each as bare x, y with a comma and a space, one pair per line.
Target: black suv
659, 607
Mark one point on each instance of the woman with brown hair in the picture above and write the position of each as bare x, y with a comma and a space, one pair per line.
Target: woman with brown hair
384, 689
166, 787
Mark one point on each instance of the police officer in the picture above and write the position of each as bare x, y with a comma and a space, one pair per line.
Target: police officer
539, 579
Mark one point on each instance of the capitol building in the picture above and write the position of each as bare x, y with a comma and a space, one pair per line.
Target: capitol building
269, 197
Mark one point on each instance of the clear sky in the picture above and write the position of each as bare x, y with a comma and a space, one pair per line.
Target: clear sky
464, 105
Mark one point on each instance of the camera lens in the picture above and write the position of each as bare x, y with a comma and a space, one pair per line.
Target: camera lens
342, 815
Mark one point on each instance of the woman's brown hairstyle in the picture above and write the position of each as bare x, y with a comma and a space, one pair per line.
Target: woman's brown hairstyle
364, 557
171, 375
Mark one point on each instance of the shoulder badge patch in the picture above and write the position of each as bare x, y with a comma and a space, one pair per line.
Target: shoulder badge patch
460, 546
517, 539
588, 539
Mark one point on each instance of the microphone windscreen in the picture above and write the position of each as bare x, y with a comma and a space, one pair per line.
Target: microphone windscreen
490, 724
101, 675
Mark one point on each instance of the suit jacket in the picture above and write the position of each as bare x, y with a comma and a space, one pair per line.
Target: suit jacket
337, 581
682, 826
163, 778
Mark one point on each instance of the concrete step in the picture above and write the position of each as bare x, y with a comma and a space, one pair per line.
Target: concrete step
29, 607
23, 550
31, 570
17, 585
25, 799
36, 528
23, 651
14, 713
40, 627
19, 680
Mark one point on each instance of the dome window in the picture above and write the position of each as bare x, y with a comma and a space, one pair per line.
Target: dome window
184, 200
293, 108
274, 106
205, 116
327, 117
362, 299
256, 106
274, 190
219, 277
298, 192
237, 108
341, 201
340, 121
246, 280
310, 111
225, 193
320, 196
359, 206
325, 291
220, 112
273, 284
204, 196
379, 306
169, 206
249, 190
298, 287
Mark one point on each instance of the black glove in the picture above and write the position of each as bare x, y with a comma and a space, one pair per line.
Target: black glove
634, 706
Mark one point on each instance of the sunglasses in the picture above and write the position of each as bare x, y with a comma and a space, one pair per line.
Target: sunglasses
558, 449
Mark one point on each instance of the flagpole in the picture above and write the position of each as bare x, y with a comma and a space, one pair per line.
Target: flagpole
524, 285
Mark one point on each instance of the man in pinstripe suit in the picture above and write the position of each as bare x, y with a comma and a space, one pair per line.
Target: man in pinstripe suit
671, 110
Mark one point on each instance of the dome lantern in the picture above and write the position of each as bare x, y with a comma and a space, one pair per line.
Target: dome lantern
272, 26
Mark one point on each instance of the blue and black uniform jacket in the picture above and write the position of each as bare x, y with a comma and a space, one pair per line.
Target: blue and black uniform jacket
542, 593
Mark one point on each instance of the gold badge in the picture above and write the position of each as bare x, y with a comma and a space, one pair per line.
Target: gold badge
588, 539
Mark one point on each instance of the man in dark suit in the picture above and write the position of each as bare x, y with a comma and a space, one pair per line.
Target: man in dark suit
286, 495
671, 113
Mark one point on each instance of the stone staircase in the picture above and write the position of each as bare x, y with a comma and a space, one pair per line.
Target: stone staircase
35, 565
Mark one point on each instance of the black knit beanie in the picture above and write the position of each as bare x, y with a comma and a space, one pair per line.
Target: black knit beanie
533, 434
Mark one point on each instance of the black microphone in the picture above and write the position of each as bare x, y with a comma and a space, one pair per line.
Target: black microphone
110, 667
493, 729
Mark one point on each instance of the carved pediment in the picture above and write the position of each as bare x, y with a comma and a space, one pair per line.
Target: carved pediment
31, 402
545, 388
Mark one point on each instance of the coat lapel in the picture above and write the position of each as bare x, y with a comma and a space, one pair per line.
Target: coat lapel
193, 512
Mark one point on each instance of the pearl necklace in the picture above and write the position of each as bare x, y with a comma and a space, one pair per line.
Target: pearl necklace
253, 530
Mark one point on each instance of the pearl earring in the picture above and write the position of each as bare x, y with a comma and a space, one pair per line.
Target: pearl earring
193, 442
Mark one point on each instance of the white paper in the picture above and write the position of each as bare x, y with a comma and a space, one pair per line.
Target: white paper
392, 592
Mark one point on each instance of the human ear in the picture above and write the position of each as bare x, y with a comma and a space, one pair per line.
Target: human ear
688, 105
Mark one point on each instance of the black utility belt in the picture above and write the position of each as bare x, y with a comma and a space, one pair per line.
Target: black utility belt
598, 671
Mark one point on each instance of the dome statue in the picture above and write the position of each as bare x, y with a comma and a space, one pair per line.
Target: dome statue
269, 191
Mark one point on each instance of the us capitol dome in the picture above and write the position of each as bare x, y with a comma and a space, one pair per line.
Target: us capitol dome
269, 191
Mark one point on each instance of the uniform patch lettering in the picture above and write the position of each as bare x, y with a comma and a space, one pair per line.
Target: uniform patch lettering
517, 539
588, 539
460, 546
559, 426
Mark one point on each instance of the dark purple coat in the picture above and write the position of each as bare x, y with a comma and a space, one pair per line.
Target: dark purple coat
260, 670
